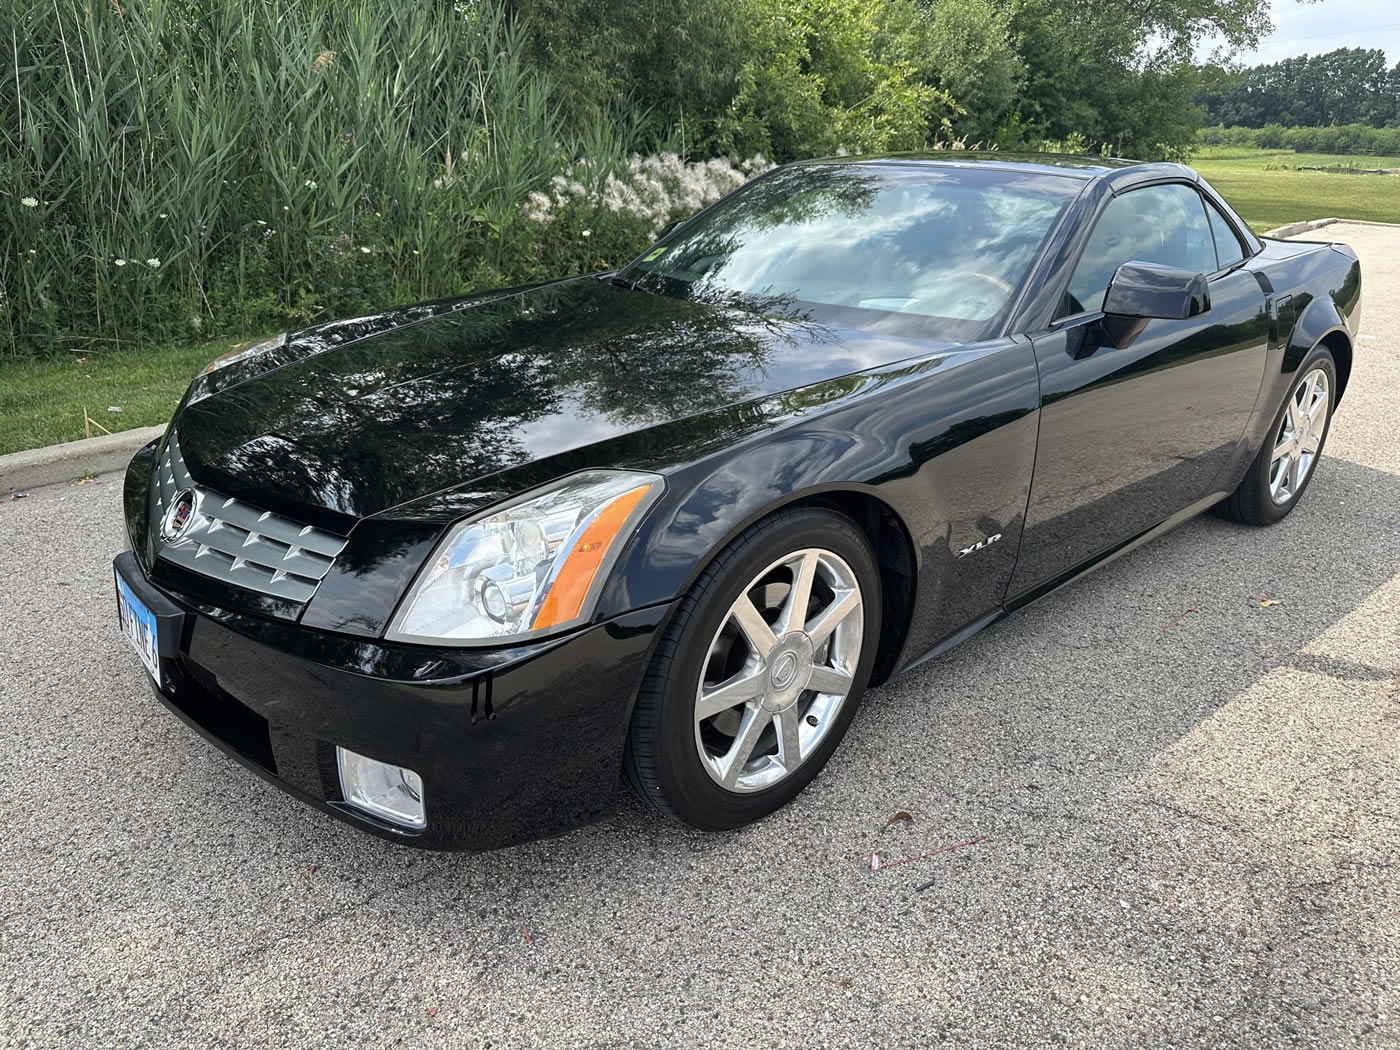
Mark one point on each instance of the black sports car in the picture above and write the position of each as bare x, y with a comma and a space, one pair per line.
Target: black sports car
452, 571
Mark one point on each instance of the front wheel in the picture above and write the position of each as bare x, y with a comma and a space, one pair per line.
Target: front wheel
1281, 472
759, 672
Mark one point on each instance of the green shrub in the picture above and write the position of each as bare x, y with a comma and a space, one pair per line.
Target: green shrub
788, 78
966, 49
826, 75
1336, 138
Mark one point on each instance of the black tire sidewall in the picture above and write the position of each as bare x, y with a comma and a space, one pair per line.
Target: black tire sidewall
1268, 509
691, 794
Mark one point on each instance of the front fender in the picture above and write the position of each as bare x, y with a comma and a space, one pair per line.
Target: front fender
946, 443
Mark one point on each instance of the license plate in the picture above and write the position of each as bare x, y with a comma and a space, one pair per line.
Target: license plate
139, 625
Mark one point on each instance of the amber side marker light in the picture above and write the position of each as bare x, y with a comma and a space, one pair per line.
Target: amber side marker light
580, 568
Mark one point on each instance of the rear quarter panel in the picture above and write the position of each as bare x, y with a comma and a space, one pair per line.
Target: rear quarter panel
1316, 294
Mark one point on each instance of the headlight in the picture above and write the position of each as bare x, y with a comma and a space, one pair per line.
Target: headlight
244, 352
536, 564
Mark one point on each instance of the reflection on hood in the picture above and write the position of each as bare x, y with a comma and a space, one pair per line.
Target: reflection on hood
454, 395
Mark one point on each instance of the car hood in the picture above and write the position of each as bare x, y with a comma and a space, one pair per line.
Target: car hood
441, 396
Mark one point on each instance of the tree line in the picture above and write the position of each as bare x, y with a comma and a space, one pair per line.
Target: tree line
1345, 86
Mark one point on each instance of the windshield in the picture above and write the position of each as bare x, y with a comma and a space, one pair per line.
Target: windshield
919, 250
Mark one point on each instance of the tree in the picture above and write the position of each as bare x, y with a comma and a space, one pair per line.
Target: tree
966, 50
672, 66
791, 78
1120, 71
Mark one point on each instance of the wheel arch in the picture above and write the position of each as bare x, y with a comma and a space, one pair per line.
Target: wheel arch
1320, 324
1339, 345
896, 557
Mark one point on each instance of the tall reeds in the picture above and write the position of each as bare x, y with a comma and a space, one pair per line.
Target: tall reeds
172, 166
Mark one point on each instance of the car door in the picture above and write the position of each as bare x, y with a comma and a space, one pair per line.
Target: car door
1130, 434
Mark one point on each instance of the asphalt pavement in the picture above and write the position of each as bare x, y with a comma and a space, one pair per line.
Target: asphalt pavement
1184, 767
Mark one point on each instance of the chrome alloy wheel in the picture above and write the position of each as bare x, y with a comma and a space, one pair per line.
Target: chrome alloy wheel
1299, 438
778, 670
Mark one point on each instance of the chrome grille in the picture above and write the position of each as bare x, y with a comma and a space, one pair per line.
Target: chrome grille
234, 541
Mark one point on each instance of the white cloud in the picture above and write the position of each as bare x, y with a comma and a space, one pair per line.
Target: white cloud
1316, 28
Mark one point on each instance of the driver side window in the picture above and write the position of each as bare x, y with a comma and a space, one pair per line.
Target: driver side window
1165, 225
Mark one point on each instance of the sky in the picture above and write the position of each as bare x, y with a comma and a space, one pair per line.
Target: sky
1317, 28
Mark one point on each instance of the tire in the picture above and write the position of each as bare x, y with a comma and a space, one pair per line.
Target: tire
1257, 500
674, 759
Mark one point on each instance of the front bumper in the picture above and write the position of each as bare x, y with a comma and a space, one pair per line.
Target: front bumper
512, 744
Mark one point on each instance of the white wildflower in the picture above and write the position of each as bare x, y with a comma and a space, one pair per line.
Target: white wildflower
364, 249
29, 202
538, 206
588, 233
154, 264
163, 215
119, 262
653, 189
310, 184
196, 322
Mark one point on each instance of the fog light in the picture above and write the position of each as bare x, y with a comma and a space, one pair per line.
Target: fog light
393, 793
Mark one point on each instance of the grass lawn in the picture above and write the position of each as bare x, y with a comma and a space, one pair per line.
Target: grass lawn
42, 402
1267, 190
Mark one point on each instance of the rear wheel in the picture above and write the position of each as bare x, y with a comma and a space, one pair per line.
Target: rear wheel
759, 673
1280, 473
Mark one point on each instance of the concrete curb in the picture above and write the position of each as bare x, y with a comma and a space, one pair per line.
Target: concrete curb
72, 459
1292, 229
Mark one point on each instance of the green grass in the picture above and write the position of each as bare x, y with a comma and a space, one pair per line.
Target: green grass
1267, 190
42, 402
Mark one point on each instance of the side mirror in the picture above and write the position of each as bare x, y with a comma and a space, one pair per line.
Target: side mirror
1143, 290
672, 225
